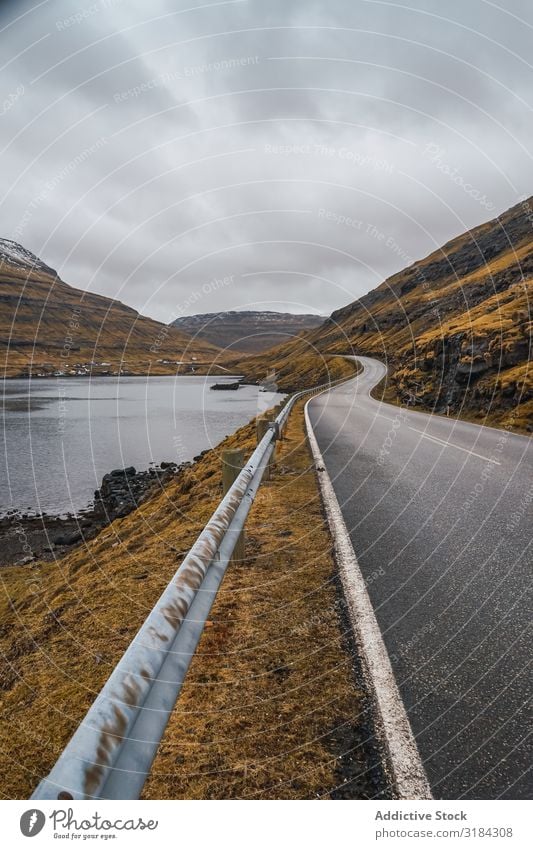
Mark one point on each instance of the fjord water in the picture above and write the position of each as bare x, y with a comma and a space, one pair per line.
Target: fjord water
61, 436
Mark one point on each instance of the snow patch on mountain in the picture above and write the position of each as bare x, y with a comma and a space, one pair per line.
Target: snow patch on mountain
12, 253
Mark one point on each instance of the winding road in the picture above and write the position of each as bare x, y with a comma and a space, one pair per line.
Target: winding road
439, 512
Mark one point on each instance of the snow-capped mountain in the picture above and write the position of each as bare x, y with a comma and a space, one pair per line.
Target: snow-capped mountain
14, 254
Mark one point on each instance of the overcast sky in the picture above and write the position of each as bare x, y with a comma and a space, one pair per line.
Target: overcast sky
299, 151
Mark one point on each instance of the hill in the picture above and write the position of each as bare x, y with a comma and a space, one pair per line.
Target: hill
48, 326
247, 331
454, 328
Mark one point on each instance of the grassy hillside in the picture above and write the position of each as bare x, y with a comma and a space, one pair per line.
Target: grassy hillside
270, 707
47, 325
454, 328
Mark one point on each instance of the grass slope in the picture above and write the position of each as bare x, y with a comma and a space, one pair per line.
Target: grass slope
46, 324
270, 708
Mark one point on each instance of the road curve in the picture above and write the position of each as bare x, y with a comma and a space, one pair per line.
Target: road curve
439, 513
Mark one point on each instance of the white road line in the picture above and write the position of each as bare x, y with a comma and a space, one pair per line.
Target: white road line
392, 723
446, 444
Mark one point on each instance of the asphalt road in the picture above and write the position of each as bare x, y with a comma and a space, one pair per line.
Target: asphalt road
440, 517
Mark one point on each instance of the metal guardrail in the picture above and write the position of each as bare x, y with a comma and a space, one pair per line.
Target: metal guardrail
111, 753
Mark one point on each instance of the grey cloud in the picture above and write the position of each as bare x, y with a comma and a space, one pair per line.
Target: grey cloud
309, 149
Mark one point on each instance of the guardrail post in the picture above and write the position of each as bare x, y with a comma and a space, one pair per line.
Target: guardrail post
232, 464
277, 411
284, 426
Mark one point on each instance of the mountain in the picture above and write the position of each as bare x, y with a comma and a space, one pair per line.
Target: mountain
454, 328
247, 331
47, 325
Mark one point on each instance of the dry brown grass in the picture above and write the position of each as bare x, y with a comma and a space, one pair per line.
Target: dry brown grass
270, 702
296, 366
517, 418
501, 316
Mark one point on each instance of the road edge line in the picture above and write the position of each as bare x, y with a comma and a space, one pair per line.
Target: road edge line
404, 763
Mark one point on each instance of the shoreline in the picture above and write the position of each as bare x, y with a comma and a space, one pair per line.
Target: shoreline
198, 372
26, 538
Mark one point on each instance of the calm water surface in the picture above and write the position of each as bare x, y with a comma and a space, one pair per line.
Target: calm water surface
60, 437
